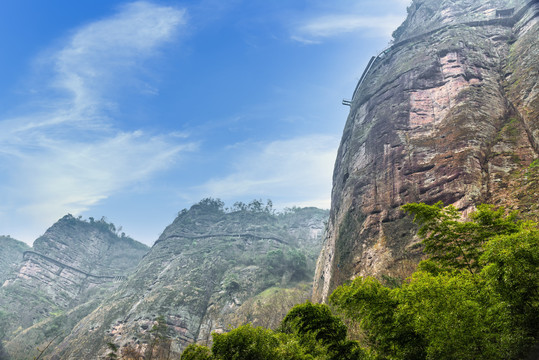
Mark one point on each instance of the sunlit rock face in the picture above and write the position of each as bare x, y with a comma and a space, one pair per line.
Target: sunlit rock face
198, 275
448, 113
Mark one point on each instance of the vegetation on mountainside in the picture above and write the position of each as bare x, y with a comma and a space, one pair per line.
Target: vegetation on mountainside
268, 308
476, 297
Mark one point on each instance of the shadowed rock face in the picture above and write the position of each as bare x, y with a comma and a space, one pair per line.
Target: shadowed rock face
452, 116
198, 274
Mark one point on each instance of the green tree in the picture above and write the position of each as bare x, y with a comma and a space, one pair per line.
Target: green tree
454, 244
316, 319
375, 308
196, 352
454, 315
316, 327
255, 343
511, 270
245, 343
210, 205
255, 206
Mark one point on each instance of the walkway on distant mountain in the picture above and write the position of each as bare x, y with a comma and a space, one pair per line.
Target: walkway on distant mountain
207, 236
63, 266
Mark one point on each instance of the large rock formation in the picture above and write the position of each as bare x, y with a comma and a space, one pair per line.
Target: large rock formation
199, 274
448, 113
75, 263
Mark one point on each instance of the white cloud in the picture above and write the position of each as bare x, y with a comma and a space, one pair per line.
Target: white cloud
102, 53
75, 176
296, 171
365, 18
69, 155
317, 28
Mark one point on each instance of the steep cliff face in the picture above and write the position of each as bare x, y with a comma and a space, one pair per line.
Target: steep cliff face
199, 274
72, 262
448, 113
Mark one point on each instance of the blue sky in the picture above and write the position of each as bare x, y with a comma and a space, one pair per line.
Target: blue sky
135, 110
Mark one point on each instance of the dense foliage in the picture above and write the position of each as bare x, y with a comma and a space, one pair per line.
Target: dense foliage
309, 331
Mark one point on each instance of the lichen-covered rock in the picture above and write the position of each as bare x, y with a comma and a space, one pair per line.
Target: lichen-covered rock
199, 273
448, 113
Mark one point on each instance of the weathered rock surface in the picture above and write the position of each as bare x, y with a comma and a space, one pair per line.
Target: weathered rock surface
72, 263
448, 113
198, 275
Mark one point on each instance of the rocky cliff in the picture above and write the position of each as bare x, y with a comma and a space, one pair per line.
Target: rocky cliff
448, 113
74, 262
208, 270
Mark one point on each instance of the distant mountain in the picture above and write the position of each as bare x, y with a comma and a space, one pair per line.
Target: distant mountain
11, 253
209, 269
74, 262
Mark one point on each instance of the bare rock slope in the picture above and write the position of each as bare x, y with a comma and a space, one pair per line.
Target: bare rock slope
448, 113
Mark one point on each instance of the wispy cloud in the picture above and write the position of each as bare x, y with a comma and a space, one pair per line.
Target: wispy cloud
366, 18
316, 29
75, 176
69, 155
294, 171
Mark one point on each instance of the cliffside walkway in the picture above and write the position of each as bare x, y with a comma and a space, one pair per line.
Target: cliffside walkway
508, 21
62, 266
245, 235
